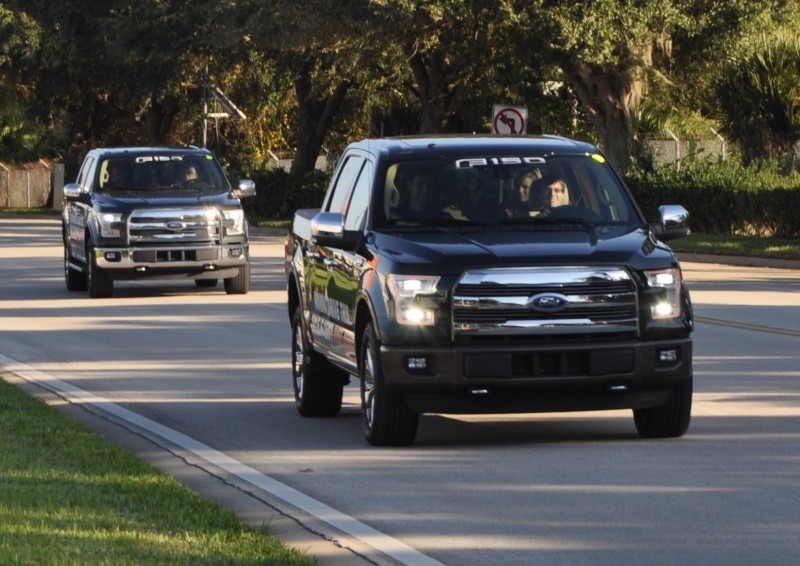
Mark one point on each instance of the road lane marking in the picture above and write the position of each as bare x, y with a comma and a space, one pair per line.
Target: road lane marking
373, 538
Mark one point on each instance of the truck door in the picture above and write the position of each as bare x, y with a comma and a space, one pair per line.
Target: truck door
347, 269
327, 313
77, 211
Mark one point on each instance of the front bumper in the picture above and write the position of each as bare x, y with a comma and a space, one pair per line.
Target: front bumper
206, 257
548, 377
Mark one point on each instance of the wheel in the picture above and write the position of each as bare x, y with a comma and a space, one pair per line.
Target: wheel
240, 284
385, 416
74, 278
317, 385
206, 283
99, 283
668, 420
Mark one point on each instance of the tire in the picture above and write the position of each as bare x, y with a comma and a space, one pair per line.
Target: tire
317, 386
670, 420
97, 280
74, 278
206, 283
385, 416
240, 284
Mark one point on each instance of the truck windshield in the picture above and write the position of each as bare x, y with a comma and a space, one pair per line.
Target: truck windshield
506, 189
159, 172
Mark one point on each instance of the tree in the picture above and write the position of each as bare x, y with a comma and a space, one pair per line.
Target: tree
759, 99
607, 50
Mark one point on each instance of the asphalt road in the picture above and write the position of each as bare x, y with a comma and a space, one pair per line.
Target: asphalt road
198, 383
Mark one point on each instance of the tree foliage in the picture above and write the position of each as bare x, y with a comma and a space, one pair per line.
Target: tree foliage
312, 74
759, 98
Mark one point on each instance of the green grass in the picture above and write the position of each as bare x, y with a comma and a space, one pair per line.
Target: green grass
68, 497
748, 246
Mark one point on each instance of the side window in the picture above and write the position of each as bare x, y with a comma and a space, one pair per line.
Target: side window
84, 175
359, 202
344, 182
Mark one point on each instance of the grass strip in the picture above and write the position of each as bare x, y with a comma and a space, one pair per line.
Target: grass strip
68, 497
745, 246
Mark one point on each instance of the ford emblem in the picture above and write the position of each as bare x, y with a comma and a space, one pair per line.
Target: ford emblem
548, 302
174, 225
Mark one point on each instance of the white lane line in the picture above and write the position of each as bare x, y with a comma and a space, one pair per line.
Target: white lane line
366, 534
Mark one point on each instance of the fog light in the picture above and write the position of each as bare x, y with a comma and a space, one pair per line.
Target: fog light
662, 310
668, 356
113, 256
417, 363
234, 252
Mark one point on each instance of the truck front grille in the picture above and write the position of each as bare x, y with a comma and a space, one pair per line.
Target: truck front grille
169, 226
514, 302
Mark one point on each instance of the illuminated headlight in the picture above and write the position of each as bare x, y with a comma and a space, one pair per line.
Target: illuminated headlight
668, 304
405, 291
110, 224
234, 222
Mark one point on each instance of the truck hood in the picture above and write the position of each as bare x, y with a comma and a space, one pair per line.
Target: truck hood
506, 247
128, 200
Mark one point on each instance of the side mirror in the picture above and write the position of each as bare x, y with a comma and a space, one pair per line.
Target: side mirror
327, 229
72, 191
673, 222
246, 188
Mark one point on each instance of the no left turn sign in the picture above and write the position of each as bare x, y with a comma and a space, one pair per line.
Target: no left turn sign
509, 119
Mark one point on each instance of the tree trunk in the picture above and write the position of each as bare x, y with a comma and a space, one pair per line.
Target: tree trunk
610, 101
159, 119
431, 89
315, 116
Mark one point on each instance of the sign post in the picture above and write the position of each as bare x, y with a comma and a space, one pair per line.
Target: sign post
509, 119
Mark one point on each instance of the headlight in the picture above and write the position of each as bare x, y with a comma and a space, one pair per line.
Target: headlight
234, 222
110, 224
404, 291
668, 282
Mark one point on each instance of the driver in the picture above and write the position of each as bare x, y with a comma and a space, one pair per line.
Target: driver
190, 174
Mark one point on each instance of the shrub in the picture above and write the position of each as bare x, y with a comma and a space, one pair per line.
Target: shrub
725, 198
278, 194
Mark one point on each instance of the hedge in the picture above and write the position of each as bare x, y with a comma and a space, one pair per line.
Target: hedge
723, 199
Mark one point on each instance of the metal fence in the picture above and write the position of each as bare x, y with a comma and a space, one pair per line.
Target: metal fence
675, 150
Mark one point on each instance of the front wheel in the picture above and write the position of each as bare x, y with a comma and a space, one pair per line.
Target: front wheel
100, 285
385, 416
317, 385
240, 284
669, 420
74, 278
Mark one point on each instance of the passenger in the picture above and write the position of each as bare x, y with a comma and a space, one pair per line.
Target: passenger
519, 204
552, 192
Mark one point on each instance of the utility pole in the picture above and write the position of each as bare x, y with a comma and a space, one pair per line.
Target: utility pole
205, 108
229, 109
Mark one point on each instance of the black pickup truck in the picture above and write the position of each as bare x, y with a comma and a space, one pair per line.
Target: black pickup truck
151, 212
487, 274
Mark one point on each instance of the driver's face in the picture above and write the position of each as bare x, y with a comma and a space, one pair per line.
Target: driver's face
419, 189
